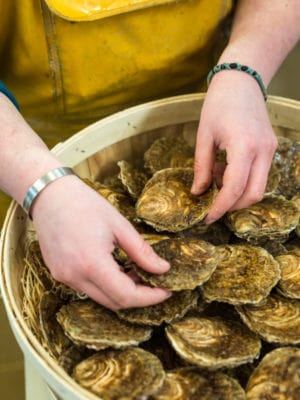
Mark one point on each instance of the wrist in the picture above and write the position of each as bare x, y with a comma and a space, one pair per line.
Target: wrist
41, 185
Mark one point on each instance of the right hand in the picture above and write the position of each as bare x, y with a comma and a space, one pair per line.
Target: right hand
77, 230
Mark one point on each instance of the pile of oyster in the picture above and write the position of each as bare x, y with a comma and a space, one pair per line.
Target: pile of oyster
230, 330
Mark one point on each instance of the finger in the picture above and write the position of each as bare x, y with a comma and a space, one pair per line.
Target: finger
256, 184
122, 291
140, 251
235, 180
94, 293
218, 173
203, 164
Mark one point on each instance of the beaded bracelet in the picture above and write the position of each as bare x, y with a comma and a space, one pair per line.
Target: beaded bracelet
41, 183
238, 67
4, 90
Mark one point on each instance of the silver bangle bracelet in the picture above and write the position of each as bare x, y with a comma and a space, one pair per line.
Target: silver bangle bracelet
43, 182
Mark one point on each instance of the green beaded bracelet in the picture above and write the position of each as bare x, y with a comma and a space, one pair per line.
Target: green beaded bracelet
238, 67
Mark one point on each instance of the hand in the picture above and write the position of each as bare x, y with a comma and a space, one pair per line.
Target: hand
234, 118
78, 230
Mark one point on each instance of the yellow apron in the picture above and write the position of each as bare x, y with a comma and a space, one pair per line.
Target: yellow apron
71, 62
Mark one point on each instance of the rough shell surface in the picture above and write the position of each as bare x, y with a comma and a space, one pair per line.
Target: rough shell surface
168, 153
287, 160
121, 374
276, 376
150, 238
289, 284
173, 308
166, 202
122, 202
216, 233
274, 177
89, 324
245, 274
192, 262
132, 178
213, 342
273, 218
276, 319
53, 335
192, 383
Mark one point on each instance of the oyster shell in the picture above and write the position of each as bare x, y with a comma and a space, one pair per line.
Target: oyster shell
53, 337
216, 233
276, 319
150, 238
72, 356
273, 218
213, 342
168, 153
121, 374
289, 284
287, 160
89, 324
114, 183
132, 178
245, 274
173, 308
122, 202
276, 376
192, 383
166, 202
274, 177
192, 262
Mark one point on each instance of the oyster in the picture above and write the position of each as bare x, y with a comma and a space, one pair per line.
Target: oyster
274, 248
89, 324
114, 183
213, 342
289, 284
276, 319
53, 337
192, 383
132, 178
168, 153
166, 202
216, 233
245, 274
173, 308
276, 376
150, 238
273, 218
72, 356
273, 180
287, 160
121, 202
121, 374
159, 345
192, 262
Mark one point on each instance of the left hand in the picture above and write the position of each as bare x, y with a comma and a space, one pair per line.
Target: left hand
234, 118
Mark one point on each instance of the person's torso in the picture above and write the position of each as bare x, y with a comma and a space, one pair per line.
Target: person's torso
71, 62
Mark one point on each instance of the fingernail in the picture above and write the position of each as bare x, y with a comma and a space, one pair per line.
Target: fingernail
209, 221
163, 263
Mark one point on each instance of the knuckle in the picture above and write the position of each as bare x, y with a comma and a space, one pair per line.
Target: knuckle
255, 197
145, 249
122, 301
237, 190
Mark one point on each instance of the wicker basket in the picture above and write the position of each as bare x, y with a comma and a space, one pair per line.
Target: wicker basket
93, 153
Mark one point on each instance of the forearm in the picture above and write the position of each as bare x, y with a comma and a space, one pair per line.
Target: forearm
263, 33
23, 155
